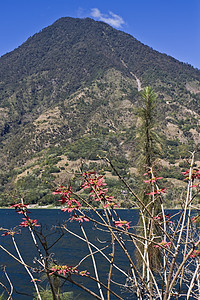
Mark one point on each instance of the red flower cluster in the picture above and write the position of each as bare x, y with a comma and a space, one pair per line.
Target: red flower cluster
66, 193
196, 185
20, 208
194, 174
163, 243
10, 232
111, 205
122, 224
29, 223
147, 173
161, 219
96, 183
93, 180
84, 273
63, 270
67, 270
79, 218
152, 180
195, 253
72, 205
157, 192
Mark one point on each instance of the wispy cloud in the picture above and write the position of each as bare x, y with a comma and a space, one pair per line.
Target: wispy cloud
112, 19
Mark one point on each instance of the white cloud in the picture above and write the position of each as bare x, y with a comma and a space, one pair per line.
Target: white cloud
112, 19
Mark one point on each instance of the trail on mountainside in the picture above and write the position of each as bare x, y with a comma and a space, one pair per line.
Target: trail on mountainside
139, 85
136, 78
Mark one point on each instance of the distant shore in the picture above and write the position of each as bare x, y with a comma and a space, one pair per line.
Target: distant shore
36, 206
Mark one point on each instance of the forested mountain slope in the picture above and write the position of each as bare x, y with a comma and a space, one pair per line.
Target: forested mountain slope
72, 90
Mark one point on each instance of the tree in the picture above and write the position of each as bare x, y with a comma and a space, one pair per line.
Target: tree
147, 139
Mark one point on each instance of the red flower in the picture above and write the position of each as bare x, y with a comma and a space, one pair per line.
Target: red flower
18, 205
67, 270
20, 208
196, 219
101, 194
63, 270
63, 200
160, 218
195, 253
111, 205
83, 273
88, 174
10, 232
79, 218
28, 222
146, 174
157, 192
195, 173
96, 182
163, 243
122, 223
152, 179
65, 192
196, 185
72, 205
35, 279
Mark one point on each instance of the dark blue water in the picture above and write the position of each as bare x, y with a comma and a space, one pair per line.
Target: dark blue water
68, 251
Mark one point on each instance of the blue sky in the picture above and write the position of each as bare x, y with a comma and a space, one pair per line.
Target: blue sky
168, 26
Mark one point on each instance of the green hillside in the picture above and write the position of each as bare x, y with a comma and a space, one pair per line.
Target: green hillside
72, 91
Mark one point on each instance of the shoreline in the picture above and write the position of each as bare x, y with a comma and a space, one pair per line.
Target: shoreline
36, 206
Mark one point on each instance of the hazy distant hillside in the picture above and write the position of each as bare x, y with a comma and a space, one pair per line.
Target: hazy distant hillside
72, 91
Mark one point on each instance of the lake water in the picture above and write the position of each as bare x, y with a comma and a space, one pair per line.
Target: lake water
68, 251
